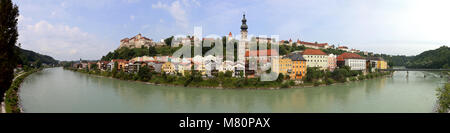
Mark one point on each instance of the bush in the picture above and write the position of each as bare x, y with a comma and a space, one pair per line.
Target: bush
444, 99
317, 83
353, 79
329, 81
361, 77
285, 85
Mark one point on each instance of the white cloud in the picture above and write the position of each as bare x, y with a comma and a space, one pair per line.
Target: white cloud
132, 17
131, 1
62, 42
177, 10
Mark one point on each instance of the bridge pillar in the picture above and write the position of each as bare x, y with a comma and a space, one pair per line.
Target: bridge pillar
407, 73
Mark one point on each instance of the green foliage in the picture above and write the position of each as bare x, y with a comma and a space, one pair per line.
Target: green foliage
329, 81
168, 41
152, 51
94, 67
333, 51
434, 59
286, 49
353, 79
144, 74
313, 74
8, 38
127, 53
12, 98
27, 57
280, 78
444, 99
317, 83
115, 69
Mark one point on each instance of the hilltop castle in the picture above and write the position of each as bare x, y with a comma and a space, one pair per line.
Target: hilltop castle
137, 42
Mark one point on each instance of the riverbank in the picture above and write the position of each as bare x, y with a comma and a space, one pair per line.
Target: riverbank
443, 102
11, 100
225, 82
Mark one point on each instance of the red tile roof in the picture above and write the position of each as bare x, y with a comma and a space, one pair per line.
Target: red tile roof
313, 44
261, 53
118, 60
314, 52
344, 56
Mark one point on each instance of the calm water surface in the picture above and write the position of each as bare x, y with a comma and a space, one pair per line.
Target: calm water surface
58, 90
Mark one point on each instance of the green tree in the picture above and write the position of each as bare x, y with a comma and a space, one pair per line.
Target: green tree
152, 51
94, 67
280, 78
38, 64
168, 41
114, 69
8, 39
144, 74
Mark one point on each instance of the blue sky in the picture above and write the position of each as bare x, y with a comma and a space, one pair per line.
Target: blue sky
88, 29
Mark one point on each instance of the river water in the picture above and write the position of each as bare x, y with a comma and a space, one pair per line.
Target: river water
56, 90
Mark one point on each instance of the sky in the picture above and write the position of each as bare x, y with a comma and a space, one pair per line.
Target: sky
89, 29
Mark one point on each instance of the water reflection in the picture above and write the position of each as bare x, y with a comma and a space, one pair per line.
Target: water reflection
58, 90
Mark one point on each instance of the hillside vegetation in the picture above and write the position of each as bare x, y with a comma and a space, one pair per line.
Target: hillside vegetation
438, 58
28, 57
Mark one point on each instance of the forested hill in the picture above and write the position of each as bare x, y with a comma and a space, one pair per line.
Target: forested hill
29, 57
438, 58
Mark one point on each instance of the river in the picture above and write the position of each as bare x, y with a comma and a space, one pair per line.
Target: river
56, 90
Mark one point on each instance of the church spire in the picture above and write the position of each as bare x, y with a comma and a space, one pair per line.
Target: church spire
244, 26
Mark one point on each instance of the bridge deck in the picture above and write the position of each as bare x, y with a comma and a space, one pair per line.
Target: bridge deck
415, 69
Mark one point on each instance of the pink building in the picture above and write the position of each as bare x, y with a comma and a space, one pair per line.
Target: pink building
331, 62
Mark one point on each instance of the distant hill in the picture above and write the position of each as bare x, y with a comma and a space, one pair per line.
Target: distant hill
28, 57
438, 58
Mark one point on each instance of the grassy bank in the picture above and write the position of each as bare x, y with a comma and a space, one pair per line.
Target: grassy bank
444, 99
12, 97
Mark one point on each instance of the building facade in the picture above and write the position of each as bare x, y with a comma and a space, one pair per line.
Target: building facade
299, 65
316, 58
352, 60
332, 62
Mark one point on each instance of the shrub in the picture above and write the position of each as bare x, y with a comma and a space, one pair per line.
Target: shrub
317, 83
329, 81
444, 99
285, 85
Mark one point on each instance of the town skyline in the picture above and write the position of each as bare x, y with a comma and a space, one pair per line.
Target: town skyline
61, 30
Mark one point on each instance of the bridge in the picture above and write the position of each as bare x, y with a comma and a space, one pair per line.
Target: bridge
408, 69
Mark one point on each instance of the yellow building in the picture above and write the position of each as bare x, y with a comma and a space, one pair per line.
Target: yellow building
298, 66
285, 66
381, 64
168, 68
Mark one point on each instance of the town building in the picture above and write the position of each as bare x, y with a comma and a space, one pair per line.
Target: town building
102, 65
354, 61
375, 63
284, 66
299, 65
332, 62
344, 48
316, 58
168, 68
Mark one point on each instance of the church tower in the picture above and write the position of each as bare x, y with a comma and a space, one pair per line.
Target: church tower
244, 31
243, 45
